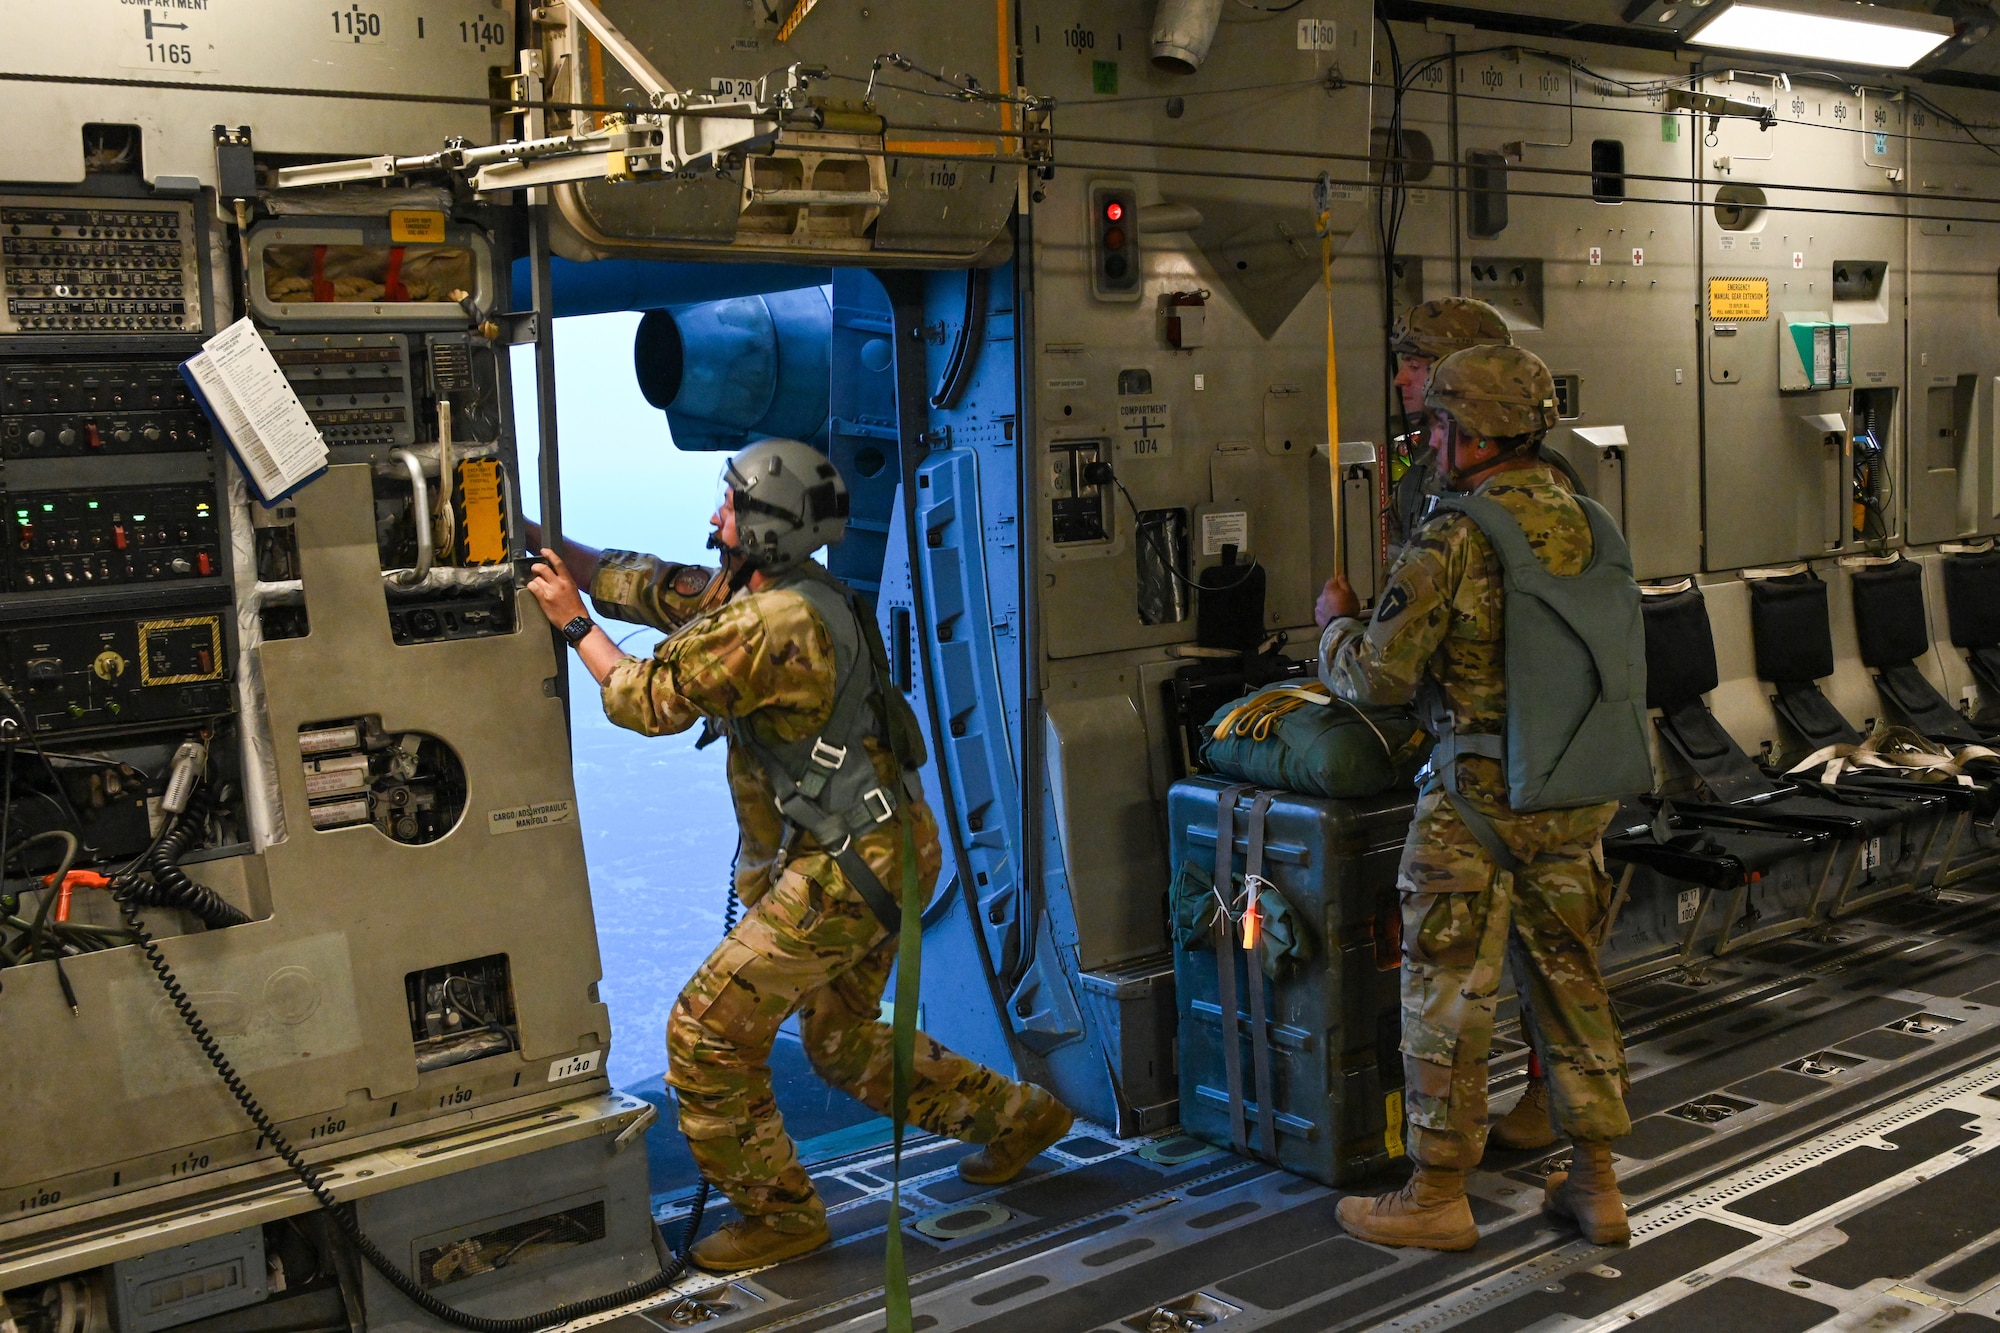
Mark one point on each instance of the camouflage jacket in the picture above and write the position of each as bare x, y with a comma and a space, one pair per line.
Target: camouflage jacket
1437, 625
762, 660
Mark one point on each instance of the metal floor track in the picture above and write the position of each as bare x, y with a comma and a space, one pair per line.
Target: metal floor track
1812, 1148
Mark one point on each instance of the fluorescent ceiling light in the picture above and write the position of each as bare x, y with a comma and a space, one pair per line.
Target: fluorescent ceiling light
1844, 32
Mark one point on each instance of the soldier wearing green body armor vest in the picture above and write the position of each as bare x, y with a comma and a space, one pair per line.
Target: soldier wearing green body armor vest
1427, 333
1503, 860
779, 656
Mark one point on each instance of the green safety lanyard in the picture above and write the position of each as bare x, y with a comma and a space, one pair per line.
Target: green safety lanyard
909, 966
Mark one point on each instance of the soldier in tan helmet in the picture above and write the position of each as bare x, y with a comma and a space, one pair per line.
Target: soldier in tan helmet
1427, 333
1481, 880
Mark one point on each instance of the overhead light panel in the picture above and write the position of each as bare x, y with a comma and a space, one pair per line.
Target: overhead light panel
1845, 32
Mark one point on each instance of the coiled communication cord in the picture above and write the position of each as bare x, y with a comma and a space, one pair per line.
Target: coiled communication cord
171, 886
128, 893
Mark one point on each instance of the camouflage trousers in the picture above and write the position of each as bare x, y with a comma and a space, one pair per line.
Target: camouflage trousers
1463, 918
810, 945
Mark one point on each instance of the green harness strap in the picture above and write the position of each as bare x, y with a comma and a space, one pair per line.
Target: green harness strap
909, 967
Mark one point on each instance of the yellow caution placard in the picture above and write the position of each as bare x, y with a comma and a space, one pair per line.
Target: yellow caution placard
1733, 299
1392, 1127
411, 226
480, 508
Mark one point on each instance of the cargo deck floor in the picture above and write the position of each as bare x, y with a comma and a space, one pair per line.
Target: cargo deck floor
1812, 1148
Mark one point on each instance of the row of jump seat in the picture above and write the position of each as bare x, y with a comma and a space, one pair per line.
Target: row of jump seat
1730, 851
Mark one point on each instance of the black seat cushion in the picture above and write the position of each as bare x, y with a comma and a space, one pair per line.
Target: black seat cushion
1842, 814
1985, 663
1726, 773
1889, 614
1852, 816
1813, 715
1680, 649
1972, 598
1789, 628
1905, 688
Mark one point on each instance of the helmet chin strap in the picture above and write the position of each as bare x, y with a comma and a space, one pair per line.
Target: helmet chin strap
1454, 475
737, 562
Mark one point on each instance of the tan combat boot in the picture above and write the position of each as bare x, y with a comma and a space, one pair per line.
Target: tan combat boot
1527, 1125
1042, 1122
1429, 1213
755, 1242
1587, 1194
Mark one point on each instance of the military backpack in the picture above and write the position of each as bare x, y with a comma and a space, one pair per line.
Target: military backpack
1575, 648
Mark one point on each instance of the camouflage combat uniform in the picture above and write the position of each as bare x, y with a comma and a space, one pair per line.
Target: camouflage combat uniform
1438, 626
808, 942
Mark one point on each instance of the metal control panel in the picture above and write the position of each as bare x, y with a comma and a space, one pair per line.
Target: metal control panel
74, 266
467, 613
83, 674
1076, 504
67, 540
356, 387
95, 408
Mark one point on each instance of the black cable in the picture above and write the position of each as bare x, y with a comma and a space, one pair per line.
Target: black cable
92, 934
1152, 539
965, 351
736, 112
309, 1175
55, 780
483, 1022
28, 729
1391, 203
51, 888
6, 801
691, 1231
171, 886
632, 109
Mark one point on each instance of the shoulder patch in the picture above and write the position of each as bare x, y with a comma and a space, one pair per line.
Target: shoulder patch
618, 587
690, 580
1393, 604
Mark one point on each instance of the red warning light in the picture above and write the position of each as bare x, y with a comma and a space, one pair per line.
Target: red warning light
1113, 211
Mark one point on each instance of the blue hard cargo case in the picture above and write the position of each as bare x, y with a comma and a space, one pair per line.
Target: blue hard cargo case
1335, 1021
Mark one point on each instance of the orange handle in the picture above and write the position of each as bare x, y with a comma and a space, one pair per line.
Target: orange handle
75, 879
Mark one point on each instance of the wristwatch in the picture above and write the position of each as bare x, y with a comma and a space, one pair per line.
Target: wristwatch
578, 630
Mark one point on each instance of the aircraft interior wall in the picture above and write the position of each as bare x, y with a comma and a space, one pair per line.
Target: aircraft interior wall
1605, 224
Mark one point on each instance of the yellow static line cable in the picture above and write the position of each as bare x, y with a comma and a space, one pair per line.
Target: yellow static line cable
1257, 715
1332, 387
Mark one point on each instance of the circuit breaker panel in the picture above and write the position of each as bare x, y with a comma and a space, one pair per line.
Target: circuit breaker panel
320, 735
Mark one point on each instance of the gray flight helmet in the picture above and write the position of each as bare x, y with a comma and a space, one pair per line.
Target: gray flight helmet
790, 501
